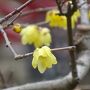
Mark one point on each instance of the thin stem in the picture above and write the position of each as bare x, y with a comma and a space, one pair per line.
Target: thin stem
11, 23
8, 43
42, 23
58, 2
15, 12
38, 23
38, 10
64, 48
55, 49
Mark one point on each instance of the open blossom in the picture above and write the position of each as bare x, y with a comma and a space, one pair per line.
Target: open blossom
43, 59
60, 21
30, 34
36, 35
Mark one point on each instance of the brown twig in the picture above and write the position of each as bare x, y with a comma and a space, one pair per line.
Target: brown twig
55, 49
15, 11
8, 43
68, 14
58, 2
42, 23
70, 42
38, 10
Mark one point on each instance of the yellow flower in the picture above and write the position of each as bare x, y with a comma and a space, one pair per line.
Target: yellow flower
30, 34
52, 18
43, 59
60, 21
35, 35
17, 28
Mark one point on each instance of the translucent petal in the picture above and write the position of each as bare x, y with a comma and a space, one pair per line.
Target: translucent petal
46, 62
35, 58
41, 67
42, 52
53, 59
47, 50
49, 63
50, 59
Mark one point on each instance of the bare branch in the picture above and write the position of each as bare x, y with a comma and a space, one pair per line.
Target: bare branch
55, 49
14, 12
42, 23
11, 23
8, 43
38, 10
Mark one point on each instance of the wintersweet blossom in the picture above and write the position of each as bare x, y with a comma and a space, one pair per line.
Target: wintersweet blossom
29, 34
43, 59
36, 35
60, 21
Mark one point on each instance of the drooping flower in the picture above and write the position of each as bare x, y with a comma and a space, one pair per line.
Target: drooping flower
60, 21
53, 18
43, 59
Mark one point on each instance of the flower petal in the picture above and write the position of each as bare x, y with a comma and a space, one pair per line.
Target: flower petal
53, 59
41, 67
35, 58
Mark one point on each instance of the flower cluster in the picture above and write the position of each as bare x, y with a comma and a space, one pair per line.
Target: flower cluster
35, 35
60, 21
43, 59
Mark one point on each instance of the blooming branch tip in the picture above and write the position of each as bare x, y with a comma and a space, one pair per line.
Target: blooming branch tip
43, 59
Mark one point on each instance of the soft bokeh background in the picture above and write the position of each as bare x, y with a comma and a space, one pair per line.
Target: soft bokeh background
21, 72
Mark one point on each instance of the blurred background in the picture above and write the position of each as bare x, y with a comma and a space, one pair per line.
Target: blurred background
13, 72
